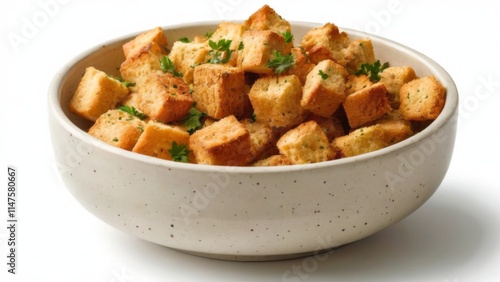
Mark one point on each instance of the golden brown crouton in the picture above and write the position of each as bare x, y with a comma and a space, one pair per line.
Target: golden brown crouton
164, 97
141, 41
324, 88
306, 143
225, 142
219, 90
186, 56
157, 139
230, 31
360, 141
96, 94
422, 99
262, 136
118, 128
332, 126
266, 18
132, 100
356, 82
326, 42
259, 48
276, 100
147, 61
359, 52
366, 105
396, 129
301, 65
393, 78
274, 160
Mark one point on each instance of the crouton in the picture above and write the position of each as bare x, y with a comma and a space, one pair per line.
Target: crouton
324, 88
141, 41
225, 142
96, 94
132, 100
262, 136
366, 105
186, 56
147, 61
233, 32
157, 139
332, 127
422, 99
301, 65
306, 143
359, 52
274, 160
276, 100
396, 129
164, 97
219, 90
266, 18
258, 50
118, 128
326, 42
393, 78
360, 141
356, 82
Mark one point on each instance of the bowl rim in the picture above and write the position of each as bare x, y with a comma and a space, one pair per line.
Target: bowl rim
449, 110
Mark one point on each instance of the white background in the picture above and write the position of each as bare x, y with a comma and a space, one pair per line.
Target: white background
454, 237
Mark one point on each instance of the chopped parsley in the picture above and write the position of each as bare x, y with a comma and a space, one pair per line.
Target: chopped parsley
288, 36
192, 121
372, 70
208, 34
179, 152
281, 63
133, 111
241, 46
168, 66
125, 83
323, 75
253, 118
184, 39
221, 52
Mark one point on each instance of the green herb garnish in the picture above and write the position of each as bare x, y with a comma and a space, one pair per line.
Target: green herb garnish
184, 39
168, 66
241, 46
372, 70
323, 75
281, 63
133, 111
221, 52
179, 152
192, 121
208, 34
288, 36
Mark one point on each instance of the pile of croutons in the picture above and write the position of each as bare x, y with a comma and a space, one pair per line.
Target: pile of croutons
245, 94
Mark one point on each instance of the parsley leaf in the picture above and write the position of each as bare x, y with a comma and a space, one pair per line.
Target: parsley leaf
133, 111
125, 83
241, 46
288, 36
208, 34
184, 39
372, 70
168, 66
192, 121
281, 63
220, 51
323, 75
179, 152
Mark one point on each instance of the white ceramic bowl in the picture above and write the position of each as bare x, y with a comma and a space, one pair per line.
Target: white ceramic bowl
249, 213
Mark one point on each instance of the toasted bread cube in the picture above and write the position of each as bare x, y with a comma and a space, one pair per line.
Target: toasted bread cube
359, 52
366, 105
157, 139
261, 135
396, 129
332, 127
301, 65
132, 100
324, 88
118, 128
186, 56
357, 82
393, 78
326, 42
141, 41
225, 142
96, 94
219, 90
306, 143
276, 100
274, 160
230, 31
360, 141
422, 99
147, 61
266, 18
164, 97
259, 48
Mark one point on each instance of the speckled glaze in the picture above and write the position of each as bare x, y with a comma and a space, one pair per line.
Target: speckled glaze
249, 213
